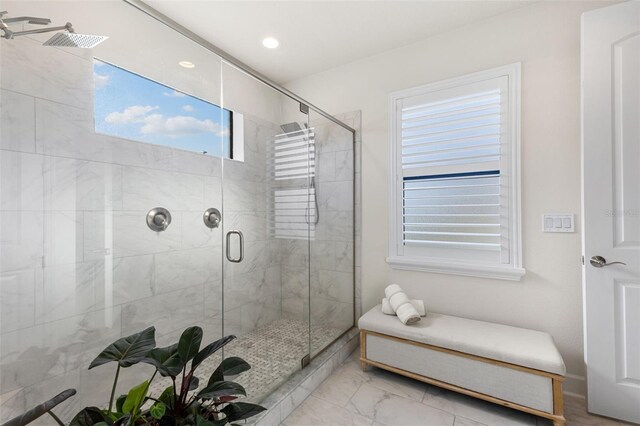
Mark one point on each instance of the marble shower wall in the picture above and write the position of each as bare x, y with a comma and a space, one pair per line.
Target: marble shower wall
252, 288
79, 268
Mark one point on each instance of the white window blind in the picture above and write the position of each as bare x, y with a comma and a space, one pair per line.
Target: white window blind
458, 210
454, 172
451, 169
462, 133
292, 167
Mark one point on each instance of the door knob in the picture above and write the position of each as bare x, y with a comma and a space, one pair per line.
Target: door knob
599, 262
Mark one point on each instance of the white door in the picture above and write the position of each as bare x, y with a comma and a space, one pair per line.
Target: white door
611, 197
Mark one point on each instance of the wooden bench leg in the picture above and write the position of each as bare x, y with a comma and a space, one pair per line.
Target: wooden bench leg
363, 350
558, 402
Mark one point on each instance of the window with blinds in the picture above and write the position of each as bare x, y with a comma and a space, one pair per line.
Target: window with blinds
455, 210
292, 168
455, 177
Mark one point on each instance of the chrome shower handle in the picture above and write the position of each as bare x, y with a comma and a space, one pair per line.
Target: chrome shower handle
161, 221
158, 219
241, 236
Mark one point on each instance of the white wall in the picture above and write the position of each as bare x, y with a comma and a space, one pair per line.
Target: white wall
545, 37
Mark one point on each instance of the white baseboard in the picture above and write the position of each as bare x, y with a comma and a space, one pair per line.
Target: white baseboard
575, 385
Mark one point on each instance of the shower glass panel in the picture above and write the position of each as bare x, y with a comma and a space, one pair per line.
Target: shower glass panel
266, 226
332, 245
79, 266
260, 196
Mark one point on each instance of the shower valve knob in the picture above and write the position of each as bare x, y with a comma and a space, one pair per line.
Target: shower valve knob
212, 218
158, 219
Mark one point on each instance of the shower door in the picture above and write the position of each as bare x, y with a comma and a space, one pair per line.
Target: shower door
266, 225
88, 149
332, 249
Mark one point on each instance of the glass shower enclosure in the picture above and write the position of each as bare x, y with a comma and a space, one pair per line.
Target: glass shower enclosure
157, 184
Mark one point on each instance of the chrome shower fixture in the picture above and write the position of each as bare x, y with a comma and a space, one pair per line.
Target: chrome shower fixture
64, 39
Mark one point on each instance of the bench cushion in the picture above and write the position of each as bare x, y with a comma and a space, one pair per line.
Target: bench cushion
520, 346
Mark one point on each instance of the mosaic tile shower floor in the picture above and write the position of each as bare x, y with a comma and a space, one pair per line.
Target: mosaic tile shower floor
274, 352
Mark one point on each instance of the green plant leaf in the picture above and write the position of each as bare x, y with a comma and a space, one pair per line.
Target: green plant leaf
209, 350
223, 388
157, 410
166, 360
89, 417
41, 409
229, 367
101, 424
123, 421
135, 397
201, 421
127, 350
193, 384
120, 403
241, 410
167, 395
189, 343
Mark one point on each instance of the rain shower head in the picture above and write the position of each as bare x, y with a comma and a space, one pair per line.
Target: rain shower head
69, 38
292, 127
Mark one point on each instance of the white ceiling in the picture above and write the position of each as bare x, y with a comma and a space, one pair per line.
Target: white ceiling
319, 35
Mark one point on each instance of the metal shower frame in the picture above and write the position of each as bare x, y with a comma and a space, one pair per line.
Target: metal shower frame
139, 4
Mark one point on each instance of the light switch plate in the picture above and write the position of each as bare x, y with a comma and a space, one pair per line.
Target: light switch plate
558, 222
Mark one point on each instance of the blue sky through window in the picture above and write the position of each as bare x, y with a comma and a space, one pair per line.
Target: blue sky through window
130, 106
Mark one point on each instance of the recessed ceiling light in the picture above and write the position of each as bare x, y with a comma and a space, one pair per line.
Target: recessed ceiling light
186, 64
270, 43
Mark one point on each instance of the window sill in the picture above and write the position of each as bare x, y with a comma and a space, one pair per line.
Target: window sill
509, 273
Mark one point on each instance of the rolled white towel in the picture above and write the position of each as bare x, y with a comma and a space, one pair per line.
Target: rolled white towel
418, 304
399, 301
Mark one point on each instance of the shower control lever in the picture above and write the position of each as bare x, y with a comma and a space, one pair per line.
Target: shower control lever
211, 218
241, 237
158, 219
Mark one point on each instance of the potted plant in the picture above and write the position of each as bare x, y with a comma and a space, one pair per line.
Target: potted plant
184, 402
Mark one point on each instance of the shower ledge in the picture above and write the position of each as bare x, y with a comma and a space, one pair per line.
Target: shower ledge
300, 385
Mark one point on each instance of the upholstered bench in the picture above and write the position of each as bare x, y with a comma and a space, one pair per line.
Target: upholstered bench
510, 366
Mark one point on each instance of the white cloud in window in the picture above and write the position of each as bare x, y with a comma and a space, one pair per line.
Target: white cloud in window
180, 126
174, 94
188, 108
101, 80
132, 114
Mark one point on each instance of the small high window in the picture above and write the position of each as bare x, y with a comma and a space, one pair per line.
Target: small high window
130, 106
455, 178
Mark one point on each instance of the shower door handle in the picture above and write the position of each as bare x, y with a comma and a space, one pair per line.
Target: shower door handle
241, 236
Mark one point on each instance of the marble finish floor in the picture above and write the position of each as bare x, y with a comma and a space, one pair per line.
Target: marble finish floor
274, 351
351, 397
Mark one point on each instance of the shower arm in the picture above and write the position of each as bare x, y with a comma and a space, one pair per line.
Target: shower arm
28, 19
8, 34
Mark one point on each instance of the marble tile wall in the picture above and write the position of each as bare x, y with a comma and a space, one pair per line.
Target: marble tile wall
252, 288
78, 266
